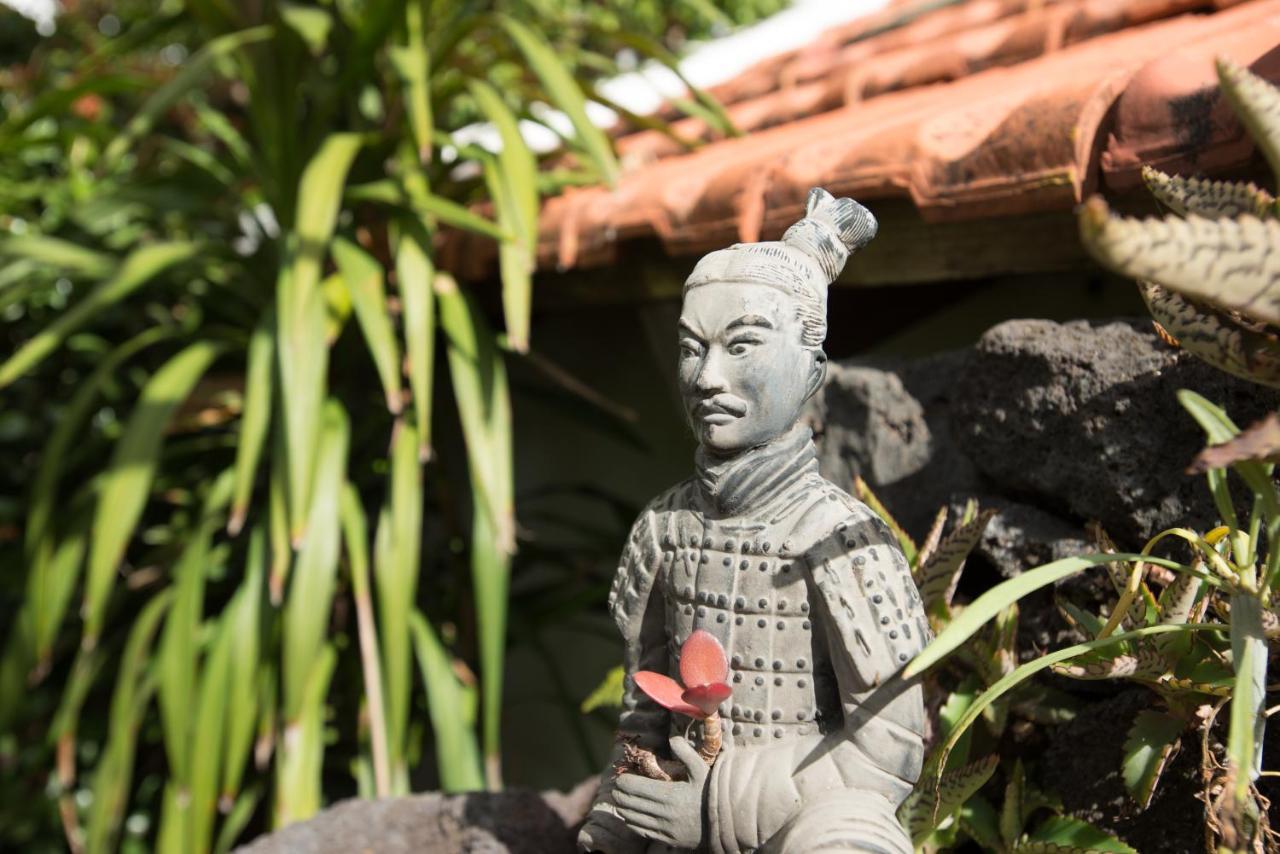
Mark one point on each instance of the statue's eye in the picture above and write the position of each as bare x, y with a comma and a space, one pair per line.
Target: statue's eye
741, 345
689, 348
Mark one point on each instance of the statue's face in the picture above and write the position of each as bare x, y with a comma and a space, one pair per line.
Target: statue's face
744, 375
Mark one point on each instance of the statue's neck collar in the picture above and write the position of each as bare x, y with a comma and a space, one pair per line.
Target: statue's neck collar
735, 485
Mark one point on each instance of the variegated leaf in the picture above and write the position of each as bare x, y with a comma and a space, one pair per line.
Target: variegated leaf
1147, 749
927, 805
1209, 199
1147, 663
939, 576
1227, 262
1177, 604
1119, 573
1257, 103
931, 540
1231, 344
1065, 835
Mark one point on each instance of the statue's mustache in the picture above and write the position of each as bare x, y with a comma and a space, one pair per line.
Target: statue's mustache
721, 404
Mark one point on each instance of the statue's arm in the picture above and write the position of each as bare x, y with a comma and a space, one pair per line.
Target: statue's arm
636, 604
879, 745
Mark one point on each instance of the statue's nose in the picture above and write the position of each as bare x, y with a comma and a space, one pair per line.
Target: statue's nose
711, 378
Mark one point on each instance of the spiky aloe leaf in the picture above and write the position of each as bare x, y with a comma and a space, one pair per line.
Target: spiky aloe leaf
1147, 749
1225, 262
1062, 835
1011, 807
927, 805
1146, 663
1119, 573
1209, 199
939, 575
1257, 103
932, 539
1237, 347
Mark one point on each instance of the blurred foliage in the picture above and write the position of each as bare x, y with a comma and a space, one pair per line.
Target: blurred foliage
224, 329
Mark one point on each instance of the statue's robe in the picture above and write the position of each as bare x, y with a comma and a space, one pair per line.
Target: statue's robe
813, 601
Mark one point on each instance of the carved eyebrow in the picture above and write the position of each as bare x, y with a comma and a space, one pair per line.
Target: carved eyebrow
751, 320
687, 329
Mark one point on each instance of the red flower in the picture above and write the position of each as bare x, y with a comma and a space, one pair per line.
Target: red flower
704, 669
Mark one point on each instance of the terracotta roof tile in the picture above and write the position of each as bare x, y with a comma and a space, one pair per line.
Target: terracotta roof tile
974, 110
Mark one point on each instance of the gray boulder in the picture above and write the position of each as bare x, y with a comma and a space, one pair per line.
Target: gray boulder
1055, 424
512, 822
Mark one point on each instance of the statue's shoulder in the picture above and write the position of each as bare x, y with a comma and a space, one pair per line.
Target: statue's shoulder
642, 555
832, 515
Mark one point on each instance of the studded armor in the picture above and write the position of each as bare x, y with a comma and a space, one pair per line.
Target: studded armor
814, 604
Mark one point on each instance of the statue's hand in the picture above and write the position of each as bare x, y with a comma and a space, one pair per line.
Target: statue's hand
605, 832
667, 812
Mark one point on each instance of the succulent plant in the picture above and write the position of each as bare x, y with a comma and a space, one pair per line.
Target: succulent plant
1206, 270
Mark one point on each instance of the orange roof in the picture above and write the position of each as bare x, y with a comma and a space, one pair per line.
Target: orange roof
980, 109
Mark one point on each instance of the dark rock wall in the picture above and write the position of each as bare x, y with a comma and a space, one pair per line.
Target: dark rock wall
1054, 424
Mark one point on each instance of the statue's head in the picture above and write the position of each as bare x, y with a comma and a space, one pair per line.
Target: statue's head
753, 322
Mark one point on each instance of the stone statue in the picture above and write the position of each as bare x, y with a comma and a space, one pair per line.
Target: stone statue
803, 586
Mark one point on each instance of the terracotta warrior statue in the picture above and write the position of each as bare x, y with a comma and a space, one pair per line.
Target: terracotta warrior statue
802, 585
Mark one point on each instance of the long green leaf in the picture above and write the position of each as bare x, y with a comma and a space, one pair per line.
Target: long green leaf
301, 314
134, 687
255, 418
49, 589
356, 538
242, 692
127, 481
310, 597
1044, 662
512, 182
70, 429
142, 265
397, 580
416, 274
995, 600
298, 784
458, 757
178, 657
208, 733
565, 94
193, 71
366, 284
1248, 720
63, 255
484, 407
413, 64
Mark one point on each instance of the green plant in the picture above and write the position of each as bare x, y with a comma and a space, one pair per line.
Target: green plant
236, 250
1179, 656
1205, 271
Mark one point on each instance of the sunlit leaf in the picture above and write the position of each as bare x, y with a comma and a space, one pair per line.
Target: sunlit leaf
142, 265
255, 418
127, 481
1147, 749
365, 282
458, 756
565, 94
192, 73
415, 274
310, 597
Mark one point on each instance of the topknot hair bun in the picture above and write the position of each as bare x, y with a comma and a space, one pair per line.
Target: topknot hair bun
831, 231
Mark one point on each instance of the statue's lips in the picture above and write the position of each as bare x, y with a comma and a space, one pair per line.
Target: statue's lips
720, 410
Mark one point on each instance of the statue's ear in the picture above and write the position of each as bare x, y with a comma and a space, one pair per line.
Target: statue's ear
817, 373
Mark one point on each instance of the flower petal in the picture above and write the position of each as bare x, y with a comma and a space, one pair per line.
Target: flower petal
707, 697
702, 660
666, 692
